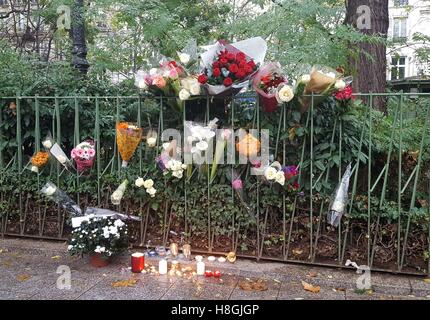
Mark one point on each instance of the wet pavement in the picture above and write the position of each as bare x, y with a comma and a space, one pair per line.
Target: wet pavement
33, 270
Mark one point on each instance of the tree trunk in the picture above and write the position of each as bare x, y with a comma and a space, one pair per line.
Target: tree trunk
368, 63
79, 50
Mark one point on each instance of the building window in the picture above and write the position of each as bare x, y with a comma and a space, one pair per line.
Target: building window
399, 30
399, 3
398, 67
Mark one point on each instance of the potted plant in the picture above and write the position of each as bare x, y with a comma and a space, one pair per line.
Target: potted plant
100, 238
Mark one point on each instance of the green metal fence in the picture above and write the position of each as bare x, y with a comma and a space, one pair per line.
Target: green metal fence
299, 219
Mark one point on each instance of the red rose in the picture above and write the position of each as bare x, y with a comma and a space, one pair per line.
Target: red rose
240, 56
251, 63
233, 68
230, 56
228, 82
248, 69
242, 63
202, 79
215, 64
172, 63
223, 62
216, 72
241, 74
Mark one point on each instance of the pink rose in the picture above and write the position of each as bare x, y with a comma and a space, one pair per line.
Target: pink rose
237, 184
159, 81
173, 73
73, 153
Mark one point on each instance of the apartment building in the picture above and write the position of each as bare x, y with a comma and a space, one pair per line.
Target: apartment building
407, 19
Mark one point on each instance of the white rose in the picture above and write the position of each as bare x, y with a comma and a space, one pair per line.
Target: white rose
139, 182
141, 84
70, 247
195, 89
47, 144
151, 142
177, 174
151, 192
340, 85
153, 71
148, 184
184, 166
285, 94
62, 159
270, 173
50, 190
184, 58
305, 78
280, 178
184, 94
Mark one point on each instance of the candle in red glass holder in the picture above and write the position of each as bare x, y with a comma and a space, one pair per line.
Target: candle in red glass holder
137, 262
217, 274
208, 273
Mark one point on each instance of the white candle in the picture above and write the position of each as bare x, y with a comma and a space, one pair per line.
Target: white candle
200, 268
162, 266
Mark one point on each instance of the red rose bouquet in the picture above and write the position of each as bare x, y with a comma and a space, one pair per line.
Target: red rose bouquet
230, 66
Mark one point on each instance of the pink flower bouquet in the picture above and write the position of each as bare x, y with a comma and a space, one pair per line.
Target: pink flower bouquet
84, 155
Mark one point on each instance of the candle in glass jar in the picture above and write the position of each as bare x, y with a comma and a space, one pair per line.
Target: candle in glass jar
174, 249
137, 262
200, 266
162, 266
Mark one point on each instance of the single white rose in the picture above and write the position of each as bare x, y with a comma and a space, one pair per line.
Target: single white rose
285, 94
153, 71
148, 184
184, 58
34, 169
139, 182
184, 94
47, 144
184, 166
270, 173
62, 159
195, 89
280, 178
151, 142
50, 190
151, 192
305, 78
141, 84
340, 84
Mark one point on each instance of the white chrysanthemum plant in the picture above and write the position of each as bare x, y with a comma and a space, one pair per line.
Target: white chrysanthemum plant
106, 236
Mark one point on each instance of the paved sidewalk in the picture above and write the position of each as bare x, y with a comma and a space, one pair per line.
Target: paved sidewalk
28, 270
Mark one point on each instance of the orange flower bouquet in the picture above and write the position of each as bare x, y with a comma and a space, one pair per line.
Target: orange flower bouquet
249, 146
128, 137
39, 160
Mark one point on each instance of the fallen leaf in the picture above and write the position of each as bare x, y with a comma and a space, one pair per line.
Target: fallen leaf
23, 277
310, 288
56, 257
125, 283
258, 285
297, 252
340, 289
427, 280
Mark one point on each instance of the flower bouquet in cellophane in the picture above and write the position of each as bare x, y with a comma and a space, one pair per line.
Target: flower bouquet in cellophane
128, 137
227, 68
83, 155
272, 86
321, 82
39, 160
55, 150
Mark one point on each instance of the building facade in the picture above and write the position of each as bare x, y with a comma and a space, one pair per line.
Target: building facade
408, 18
